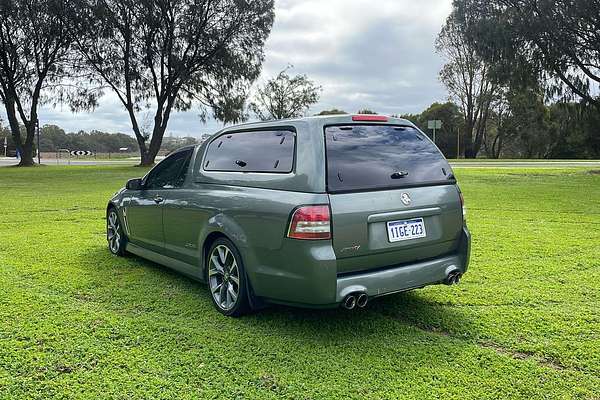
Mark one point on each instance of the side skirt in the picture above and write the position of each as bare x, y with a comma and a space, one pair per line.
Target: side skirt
191, 271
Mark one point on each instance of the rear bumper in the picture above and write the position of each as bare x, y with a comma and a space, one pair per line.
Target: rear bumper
309, 278
406, 277
398, 279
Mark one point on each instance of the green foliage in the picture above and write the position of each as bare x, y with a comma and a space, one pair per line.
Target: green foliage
11, 148
53, 138
511, 64
366, 111
79, 323
333, 111
35, 63
577, 131
171, 55
468, 79
452, 123
557, 41
285, 96
526, 127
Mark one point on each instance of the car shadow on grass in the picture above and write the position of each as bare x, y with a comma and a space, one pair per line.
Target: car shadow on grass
411, 309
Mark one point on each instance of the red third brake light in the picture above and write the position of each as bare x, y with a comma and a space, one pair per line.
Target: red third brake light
310, 222
368, 117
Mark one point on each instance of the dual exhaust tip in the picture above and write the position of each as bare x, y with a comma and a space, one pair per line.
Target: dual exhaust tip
453, 278
359, 299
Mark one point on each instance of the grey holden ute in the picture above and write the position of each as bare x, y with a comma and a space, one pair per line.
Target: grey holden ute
312, 212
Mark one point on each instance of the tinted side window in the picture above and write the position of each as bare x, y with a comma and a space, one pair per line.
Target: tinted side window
171, 172
255, 151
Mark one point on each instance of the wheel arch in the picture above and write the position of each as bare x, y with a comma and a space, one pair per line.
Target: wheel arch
221, 225
110, 205
114, 206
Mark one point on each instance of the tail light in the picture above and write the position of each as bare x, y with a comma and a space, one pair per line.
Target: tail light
462, 204
310, 222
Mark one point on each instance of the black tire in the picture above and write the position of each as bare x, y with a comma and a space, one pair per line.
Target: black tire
221, 277
115, 235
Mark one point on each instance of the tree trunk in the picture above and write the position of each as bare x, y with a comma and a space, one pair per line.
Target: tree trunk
497, 146
467, 142
27, 146
144, 156
148, 154
146, 159
149, 157
26, 152
25, 149
161, 118
477, 142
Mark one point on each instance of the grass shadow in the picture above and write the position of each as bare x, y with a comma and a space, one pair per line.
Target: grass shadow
411, 309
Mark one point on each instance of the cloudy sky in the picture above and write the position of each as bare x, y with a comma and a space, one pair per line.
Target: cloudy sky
375, 54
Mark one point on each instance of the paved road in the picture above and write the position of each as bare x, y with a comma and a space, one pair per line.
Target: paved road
456, 164
52, 161
524, 164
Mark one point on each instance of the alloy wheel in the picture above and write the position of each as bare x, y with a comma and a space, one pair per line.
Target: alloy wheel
113, 232
224, 277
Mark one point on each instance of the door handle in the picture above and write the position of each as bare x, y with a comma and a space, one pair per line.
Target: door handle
157, 199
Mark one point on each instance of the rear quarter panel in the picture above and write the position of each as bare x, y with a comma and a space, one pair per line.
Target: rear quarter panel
256, 220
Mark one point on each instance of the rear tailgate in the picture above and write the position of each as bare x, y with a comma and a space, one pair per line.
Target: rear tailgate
381, 174
360, 234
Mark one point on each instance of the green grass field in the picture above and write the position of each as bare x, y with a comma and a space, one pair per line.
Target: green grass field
76, 322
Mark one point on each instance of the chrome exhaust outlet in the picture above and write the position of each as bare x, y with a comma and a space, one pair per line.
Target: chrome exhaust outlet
453, 278
349, 302
457, 278
362, 300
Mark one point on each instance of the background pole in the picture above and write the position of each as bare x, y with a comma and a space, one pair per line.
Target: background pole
458, 143
37, 125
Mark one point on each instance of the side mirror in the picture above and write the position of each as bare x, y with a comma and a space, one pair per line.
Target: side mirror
134, 184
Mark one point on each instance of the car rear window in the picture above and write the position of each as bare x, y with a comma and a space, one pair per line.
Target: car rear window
371, 157
252, 151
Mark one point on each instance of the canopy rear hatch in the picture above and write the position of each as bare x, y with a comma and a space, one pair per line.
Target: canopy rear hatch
393, 196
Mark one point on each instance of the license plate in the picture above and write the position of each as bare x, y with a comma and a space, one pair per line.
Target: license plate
406, 229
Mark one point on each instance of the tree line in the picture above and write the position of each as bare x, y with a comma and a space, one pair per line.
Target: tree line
53, 139
524, 75
562, 130
165, 55
523, 78
532, 129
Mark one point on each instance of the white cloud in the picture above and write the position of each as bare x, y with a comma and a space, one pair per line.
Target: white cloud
374, 54
365, 53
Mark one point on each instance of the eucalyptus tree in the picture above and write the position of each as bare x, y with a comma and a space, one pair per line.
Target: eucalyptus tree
285, 96
35, 59
558, 41
333, 111
169, 55
366, 111
469, 80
